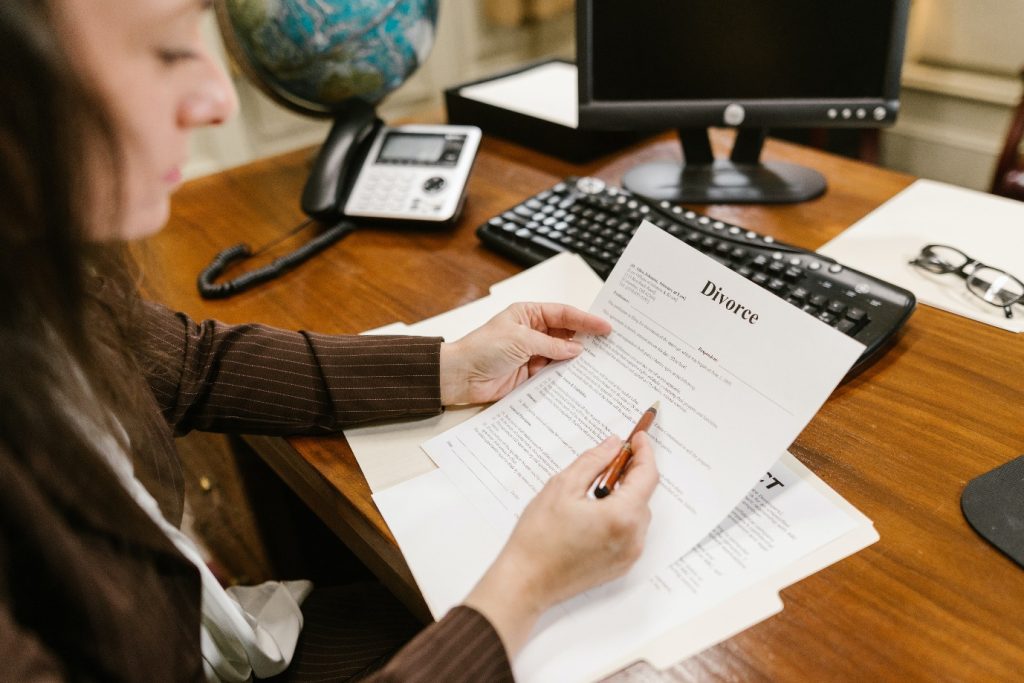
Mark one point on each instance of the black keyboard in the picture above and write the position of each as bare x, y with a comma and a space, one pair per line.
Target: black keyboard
585, 216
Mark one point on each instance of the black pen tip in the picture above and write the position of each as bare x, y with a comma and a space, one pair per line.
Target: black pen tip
601, 491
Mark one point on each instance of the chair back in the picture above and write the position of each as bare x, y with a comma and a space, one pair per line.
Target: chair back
1008, 180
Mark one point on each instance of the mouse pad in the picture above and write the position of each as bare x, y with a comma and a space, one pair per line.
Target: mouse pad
994, 505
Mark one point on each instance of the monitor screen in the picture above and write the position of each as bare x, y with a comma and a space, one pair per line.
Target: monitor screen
750, 64
740, 49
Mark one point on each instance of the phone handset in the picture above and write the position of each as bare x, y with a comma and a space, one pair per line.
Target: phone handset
339, 160
323, 200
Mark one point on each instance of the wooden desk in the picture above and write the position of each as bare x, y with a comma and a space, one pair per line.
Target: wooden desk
931, 600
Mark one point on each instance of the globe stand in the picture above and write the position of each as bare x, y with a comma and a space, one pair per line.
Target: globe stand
339, 160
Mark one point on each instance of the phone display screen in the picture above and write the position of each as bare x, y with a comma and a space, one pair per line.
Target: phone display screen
412, 148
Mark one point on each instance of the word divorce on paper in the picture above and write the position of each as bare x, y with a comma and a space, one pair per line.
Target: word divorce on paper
715, 293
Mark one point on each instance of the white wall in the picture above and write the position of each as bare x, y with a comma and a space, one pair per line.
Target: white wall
466, 47
960, 84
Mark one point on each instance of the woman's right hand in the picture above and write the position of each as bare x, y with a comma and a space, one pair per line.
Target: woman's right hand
567, 542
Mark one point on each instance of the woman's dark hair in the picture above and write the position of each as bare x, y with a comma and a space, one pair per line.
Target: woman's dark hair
66, 305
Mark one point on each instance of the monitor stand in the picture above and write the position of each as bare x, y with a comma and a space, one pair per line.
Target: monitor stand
741, 179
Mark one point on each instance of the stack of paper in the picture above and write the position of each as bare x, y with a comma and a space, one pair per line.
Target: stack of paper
731, 403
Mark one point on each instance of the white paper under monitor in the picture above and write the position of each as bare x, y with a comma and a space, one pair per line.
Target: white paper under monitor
546, 92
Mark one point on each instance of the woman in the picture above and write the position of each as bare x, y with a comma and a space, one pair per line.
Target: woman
96, 581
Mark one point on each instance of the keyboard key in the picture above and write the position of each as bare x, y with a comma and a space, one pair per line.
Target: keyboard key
829, 318
846, 326
760, 278
793, 274
855, 314
799, 293
819, 300
760, 261
542, 241
776, 285
837, 307
738, 253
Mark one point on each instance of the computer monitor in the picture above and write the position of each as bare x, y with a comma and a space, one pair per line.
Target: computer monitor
748, 64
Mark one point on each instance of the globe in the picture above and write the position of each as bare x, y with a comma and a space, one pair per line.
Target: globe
313, 56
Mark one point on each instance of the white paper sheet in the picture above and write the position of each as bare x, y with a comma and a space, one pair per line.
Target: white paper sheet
735, 389
673, 615
390, 453
986, 227
547, 92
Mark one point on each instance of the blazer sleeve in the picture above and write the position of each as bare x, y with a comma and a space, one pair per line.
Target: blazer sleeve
463, 646
262, 380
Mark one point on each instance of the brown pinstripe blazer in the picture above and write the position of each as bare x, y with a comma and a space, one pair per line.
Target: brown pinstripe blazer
91, 589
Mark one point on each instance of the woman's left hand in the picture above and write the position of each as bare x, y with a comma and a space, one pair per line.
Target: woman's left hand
512, 346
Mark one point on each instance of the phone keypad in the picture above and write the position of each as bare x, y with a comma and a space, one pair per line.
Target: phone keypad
387, 191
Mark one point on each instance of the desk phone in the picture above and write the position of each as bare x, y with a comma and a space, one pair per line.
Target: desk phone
414, 172
365, 170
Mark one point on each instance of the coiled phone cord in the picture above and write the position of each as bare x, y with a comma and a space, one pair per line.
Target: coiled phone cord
210, 289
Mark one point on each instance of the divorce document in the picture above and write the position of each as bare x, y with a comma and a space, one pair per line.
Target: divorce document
738, 373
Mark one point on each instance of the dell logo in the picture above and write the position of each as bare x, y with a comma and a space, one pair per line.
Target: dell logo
734, 115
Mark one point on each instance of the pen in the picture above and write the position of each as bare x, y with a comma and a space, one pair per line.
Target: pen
606, 482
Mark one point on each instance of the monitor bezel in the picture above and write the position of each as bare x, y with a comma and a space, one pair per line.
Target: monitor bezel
768, 113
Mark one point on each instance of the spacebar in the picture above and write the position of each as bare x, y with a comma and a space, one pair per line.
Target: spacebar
600, 267
542, 241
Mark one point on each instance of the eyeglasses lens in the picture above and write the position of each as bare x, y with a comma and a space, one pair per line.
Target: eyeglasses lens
995, 286
940, 259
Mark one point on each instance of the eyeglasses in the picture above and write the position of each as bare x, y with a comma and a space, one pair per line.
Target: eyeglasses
991, 285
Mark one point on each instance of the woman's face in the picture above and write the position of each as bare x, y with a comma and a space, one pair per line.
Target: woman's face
149, 62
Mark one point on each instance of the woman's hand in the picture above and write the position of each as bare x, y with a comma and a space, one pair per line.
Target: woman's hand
567, 542
490, 361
